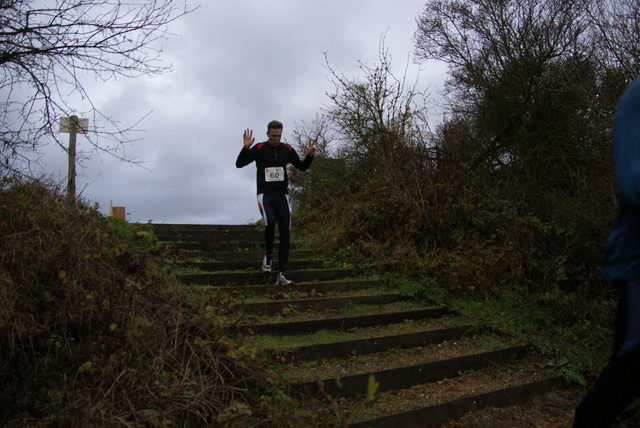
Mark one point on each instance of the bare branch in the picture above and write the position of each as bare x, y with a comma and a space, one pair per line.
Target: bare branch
46, 49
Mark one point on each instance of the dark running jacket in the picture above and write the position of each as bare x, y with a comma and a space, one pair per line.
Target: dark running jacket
271, 165
622, 252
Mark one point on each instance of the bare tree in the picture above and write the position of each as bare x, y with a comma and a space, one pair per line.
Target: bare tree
482, 39
530, 105
376, 117
47, 47
616, 32
517, 69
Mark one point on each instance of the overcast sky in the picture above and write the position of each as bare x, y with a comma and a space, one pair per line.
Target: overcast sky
236, 64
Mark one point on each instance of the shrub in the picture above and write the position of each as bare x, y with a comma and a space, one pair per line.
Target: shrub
95, 332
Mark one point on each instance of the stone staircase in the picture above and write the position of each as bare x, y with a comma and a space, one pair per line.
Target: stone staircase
353, 347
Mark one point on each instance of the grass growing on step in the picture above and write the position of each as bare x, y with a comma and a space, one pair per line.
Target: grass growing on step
94, 330
572, 333
350, 310
475, 382
393, 358
265, 341
311, 293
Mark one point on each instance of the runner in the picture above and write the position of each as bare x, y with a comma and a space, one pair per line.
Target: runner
619, 383
272, 158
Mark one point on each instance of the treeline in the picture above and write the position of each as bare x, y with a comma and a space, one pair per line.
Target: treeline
514, 187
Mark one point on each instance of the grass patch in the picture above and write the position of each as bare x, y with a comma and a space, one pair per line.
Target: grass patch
392, 358
572, 333
350, 310
95, 331
330, 336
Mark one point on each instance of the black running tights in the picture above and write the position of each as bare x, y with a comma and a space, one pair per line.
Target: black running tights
275, 209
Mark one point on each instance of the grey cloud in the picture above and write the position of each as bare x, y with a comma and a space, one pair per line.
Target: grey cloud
237, 64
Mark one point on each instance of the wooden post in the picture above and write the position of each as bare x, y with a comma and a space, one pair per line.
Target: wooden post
73, 126
71, 177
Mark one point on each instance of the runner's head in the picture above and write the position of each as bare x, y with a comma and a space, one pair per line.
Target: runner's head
274, 132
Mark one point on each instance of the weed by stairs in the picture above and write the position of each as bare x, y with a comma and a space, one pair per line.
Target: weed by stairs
356, 351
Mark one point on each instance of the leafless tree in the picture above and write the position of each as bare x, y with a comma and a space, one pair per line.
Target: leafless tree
376, 114
615, 34
511, 63
48, 47
531, 99
481, 40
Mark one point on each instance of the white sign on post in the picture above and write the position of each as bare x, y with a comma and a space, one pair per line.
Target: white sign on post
66, 125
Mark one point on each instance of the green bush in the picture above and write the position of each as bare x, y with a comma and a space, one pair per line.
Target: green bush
94, 331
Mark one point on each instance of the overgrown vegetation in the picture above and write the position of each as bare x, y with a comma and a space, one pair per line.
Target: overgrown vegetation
95, 332
501, 212
510, 199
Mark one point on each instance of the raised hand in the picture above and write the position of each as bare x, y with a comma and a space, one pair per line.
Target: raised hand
312, 146
247, 137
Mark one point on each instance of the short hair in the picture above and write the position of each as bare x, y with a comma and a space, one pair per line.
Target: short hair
274, 124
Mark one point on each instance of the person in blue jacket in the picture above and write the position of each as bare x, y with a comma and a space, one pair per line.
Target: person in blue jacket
271, 158
619, 383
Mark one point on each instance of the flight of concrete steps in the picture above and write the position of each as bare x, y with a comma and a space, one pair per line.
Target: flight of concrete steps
391, 362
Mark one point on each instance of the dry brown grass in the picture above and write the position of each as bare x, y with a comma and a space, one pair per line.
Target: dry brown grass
94, 331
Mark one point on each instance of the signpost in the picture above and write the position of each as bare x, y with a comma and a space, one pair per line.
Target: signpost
73, 125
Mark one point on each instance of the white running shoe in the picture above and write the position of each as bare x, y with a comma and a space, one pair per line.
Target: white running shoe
282, 279
266, 263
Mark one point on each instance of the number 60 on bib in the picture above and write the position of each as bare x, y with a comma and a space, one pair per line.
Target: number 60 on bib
274, 174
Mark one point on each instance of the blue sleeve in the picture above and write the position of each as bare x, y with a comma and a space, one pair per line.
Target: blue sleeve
626, 145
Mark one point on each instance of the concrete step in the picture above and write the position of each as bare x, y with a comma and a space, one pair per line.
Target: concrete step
341, 323
373, 344
242, 256
304, 305
438, 414
232, 255
405, 377
211, 236
319, 288
257, 278
209, 245
184, 229
255, 265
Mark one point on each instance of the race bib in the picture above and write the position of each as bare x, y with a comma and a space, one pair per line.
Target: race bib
274, 174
